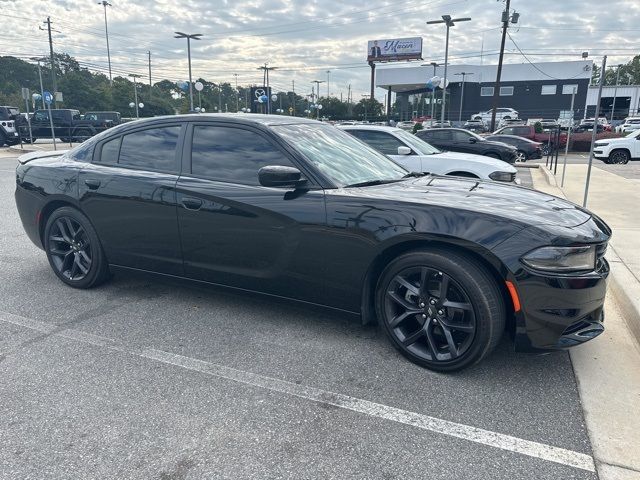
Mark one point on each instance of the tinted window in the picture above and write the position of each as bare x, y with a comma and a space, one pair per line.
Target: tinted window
460, 136
383, 142
41, 116
152, 149
110, 151
435, 135
232, 154
520, 130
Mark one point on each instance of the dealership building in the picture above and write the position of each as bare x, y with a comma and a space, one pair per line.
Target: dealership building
540, 90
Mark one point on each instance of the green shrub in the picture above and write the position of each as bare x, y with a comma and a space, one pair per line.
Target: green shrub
538, 127
416, 127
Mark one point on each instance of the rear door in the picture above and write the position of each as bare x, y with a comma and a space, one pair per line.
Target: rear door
129, 193
462, 142
235, 231
439, 138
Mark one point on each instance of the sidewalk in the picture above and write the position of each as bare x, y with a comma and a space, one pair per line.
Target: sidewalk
608, 369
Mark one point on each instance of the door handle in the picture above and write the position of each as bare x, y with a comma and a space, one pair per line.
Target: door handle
92, 183
191, 203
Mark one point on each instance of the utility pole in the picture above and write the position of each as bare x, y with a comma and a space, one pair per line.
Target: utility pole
53, 64
464, 74
237, 97
265, 81
150, 85
373, 78
293, 90
506, 17
615, 94
106, 4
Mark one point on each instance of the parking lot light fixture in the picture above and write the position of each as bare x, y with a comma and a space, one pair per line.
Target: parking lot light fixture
449, 22
189, 37
464, 74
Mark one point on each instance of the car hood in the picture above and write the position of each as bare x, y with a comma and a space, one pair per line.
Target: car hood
519, 204
472, 157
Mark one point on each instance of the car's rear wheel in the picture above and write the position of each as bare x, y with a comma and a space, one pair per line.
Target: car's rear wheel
82, 135
73, 249
521, 156
441, 309
619, 156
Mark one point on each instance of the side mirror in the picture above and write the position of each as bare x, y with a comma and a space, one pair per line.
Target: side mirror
404, 150
472, 140
280, 176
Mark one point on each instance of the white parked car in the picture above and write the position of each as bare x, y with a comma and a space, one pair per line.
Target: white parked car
631, 124
618, 150
406, 125
501, 114
416, 155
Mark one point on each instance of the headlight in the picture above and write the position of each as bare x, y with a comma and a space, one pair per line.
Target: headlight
501, 176
600, 144
562, 259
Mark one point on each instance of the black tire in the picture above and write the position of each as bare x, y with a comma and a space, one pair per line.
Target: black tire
619, 156
74, 250
440, 331
521, 156
82, 135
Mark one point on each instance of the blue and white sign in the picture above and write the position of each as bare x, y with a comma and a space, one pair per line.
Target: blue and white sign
48, 98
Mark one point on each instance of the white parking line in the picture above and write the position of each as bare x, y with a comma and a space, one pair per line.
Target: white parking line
417, 420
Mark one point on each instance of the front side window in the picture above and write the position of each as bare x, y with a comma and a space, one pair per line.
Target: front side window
461, 136
381, 141
338, 155
41, 116
151, 149
231, 154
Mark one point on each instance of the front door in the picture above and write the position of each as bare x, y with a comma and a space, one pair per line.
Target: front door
129, 194
235, 231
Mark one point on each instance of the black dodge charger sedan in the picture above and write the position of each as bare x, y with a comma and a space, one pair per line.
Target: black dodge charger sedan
460, 140
301, 210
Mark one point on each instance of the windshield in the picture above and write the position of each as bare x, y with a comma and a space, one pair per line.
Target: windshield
417, 144
338, 155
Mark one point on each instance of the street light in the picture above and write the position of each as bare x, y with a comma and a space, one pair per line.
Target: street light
464, 74
189, 37
135, 92
106, 4
40, 59
615, 94
433, 92
449, 22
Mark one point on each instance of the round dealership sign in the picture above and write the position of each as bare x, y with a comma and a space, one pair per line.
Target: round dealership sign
199, 86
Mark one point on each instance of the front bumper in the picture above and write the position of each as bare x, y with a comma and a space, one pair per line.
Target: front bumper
560, 311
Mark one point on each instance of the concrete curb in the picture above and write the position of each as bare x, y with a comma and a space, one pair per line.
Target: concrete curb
622, 282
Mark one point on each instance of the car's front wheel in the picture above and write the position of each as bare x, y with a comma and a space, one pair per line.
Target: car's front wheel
619, 156
73, 249
441, 309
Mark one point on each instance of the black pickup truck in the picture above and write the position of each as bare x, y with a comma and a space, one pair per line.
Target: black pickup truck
68, 125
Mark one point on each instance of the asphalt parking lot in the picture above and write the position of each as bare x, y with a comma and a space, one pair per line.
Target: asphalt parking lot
151, 378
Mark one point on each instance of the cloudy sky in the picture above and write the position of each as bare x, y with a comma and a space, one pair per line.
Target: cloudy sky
306, 38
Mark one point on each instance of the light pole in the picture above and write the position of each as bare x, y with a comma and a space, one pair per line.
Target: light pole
449, 22
38, 59
189, 37
135, 91
237, 93
106, 4
265, 82
433, 92
464, 74
615, 94
328, 92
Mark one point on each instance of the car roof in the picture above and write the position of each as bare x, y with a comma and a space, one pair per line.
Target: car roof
383, 128
239, 118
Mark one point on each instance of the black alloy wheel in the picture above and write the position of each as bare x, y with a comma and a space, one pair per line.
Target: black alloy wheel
547, 148
619, 156
73, 249
521, 156
442, 310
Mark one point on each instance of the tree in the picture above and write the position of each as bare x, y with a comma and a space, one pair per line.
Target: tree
368, 108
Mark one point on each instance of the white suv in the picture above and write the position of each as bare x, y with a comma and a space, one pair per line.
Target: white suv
630, 124
416, 155
501, 114
618, 150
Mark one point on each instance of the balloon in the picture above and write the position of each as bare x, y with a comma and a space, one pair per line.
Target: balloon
36, 96
263, 99
274, 98
131, 105
433, 82
184, 86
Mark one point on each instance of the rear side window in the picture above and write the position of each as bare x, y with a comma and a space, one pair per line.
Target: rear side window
110, 150
152, 149
232, 154
437, 134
